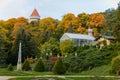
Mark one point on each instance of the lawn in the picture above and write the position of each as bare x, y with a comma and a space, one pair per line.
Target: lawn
4, 72
97, 72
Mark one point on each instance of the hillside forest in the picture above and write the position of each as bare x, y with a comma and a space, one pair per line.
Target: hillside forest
40, 39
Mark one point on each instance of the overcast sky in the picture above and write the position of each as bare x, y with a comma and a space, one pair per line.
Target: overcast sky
52, 8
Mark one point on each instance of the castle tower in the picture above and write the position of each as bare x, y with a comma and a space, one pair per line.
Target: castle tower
34, 16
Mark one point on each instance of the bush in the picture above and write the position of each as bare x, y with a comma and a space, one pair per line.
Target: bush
89, 58
85, 60
10, 67
39, 67
116, 65
59, 67
26, 66
66, 46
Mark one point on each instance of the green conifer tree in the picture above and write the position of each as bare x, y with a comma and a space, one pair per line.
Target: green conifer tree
116, 65
10, 67
26, 66
59, 67
39, 67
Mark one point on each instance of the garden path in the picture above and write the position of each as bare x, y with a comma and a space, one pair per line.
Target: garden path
61, 76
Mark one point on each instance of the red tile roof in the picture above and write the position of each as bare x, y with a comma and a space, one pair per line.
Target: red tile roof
35, 13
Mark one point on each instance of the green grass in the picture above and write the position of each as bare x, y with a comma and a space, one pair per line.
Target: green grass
98, 71
4, 72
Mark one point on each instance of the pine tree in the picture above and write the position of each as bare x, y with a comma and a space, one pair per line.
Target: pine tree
116, 65
39, 67
10, 67
26, 66
59, 67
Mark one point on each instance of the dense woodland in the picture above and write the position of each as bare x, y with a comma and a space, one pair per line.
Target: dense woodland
39, 38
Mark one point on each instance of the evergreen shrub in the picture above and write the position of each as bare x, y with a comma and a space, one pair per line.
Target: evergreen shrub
116, 65
59, 67
10, 67
39, 67
26, 66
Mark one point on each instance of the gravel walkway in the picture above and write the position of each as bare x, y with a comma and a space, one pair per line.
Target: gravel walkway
6, 77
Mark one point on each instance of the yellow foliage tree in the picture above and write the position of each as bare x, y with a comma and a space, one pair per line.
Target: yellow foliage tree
96, 20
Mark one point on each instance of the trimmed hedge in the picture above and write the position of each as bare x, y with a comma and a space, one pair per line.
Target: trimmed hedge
116, 65
10, 67
39, 67
59, 67
26, 66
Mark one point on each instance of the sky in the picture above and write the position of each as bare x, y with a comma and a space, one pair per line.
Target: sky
52, 8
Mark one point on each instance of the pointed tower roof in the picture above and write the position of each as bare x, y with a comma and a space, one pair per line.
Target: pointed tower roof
35, 13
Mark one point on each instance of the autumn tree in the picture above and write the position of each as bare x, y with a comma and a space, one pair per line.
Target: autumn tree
70, 29
81, 30
64, 24
84, 18
76, 23
22, 20
47, 28
71, 22
96, 21
10, 23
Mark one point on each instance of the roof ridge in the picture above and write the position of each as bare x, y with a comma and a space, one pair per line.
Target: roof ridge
77, 33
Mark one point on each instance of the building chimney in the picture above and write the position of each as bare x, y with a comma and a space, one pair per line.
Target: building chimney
90, 32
